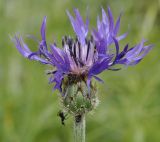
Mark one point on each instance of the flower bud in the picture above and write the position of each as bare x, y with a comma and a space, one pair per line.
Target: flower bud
78, 98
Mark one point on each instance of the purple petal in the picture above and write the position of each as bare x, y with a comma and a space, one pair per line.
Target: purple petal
106, 31
99, 66
111, 21
98, 79
59, 58
57, 53
145, 51
135, 51
78, 17
134, 55
116, 29
121, 55
96, 35
102, 48
79, 27
90, 54
122, 36
43, 29
98, 23
117, 47
58, 77
43, 44
26, 52
105, 18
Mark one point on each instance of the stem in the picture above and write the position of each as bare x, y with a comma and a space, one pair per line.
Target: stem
79, 128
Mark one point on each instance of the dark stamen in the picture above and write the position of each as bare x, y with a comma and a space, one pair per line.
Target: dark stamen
79, 46
76, 39
81, 63
74, 57
74, 50
65, 38
92, 39
70, 43
86, 41
113, 69
95, 49
88, 47
51, 72
63, 42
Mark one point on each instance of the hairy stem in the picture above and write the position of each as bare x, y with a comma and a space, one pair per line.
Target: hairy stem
79, 128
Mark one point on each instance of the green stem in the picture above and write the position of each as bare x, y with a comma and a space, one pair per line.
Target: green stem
79, 128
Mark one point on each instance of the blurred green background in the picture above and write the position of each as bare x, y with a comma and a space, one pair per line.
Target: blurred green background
129, 109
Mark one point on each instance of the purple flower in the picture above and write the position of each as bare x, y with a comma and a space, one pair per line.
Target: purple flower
84, 57
105, 32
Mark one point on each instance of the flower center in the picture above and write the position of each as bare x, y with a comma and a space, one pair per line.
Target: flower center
81, 56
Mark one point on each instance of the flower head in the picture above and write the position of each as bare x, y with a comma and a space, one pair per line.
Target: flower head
82, 58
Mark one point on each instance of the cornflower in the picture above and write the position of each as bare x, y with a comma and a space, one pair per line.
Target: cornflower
80, 60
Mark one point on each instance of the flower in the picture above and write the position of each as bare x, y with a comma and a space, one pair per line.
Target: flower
83, 57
